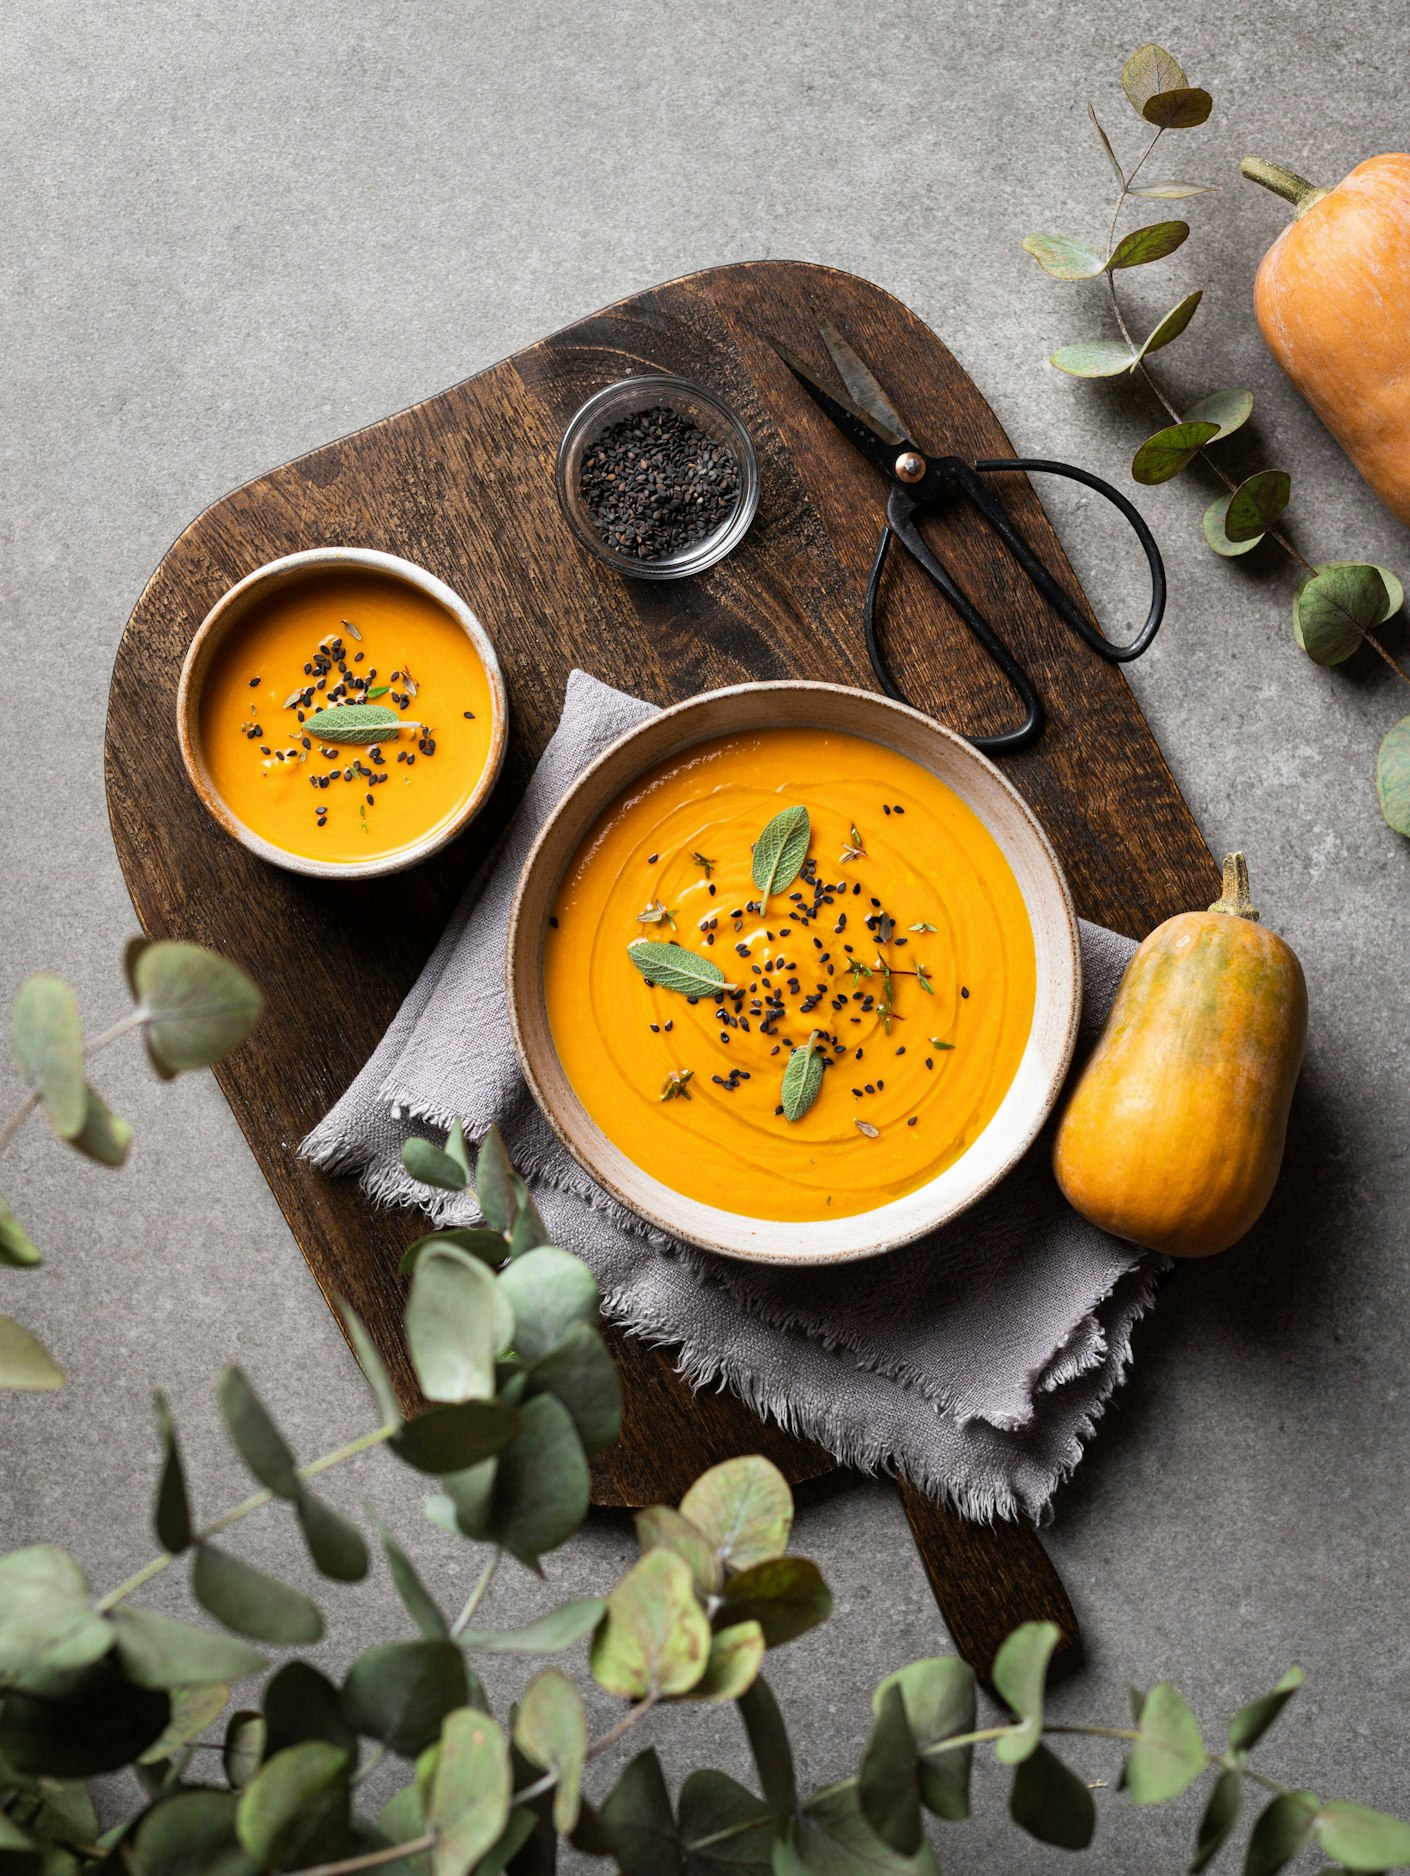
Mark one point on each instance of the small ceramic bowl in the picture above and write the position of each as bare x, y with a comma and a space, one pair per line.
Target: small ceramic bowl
628, 399
225, 616
1042, 1068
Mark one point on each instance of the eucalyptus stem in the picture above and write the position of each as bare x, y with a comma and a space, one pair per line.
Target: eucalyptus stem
477, 1594
31, 1101
255, 1502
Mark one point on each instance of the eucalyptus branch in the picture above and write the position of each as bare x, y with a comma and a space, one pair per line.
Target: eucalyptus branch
137, 1020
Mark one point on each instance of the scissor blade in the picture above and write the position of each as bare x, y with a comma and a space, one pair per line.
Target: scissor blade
865, 392
857, 428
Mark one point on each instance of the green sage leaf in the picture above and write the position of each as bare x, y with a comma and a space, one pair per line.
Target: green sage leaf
17, 1249
1094, 358
550, 1729
671, 967
780, 851
1393, 776
660, 1528
1165, 454
354, 723
197, 1007
402, 1692
887, 1786
417, 1600
294, 1810
939, 1700
1020, 1675
1149, 71
25, 1363
468, 1806
654, 1638
744, 1509
1214, 534
46, 1033
785, 1595
546, 1635
1253, 1719
1220, 1816
454, 1436
1152, 243
171, 1515
1334, 608
1169, 1755
458, 1318
104, 1135
802, 1080
1229, 410
158, 1651
1174, 323
1051, 1802
251, 1603
1064, 258
429, 1166
257, 1440
1362, 1839
736, 1655
1282, 1829
550, 1293
1183, 108
1256, 504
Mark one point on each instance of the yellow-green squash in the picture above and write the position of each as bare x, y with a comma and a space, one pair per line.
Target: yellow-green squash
1173, 1134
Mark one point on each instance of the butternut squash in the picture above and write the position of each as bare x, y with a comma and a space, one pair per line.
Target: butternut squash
1173, 1134
1331, 297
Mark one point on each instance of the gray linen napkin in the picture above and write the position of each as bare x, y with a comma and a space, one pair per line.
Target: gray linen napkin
976, 1361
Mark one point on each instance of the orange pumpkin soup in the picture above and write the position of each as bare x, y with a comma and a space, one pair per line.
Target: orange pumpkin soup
800, 1023
328, 787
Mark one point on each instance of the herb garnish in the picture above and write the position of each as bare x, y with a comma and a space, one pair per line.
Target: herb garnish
802, 1079
856, 851
780, 851
700, 860
675, 1088
656, 914
924, 981
865, 1126
671, 967
924, 925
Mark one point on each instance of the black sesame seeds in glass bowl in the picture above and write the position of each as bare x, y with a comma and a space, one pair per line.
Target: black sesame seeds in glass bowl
658, 477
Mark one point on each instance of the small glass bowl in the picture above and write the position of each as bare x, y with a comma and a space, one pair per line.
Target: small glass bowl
629, 399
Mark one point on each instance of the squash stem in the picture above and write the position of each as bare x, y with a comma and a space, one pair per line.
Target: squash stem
1284, 182
1235, 898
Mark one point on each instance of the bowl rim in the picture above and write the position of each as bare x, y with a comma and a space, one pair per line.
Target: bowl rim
227, 611
1068, 961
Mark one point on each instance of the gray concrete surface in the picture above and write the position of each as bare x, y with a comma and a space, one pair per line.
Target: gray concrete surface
227, 234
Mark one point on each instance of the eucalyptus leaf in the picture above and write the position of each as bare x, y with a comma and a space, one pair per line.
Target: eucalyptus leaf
1064, 258
429, 1166
469, 1799
1256, 504
1152, 243
654, 1638
768, 1741
354, 723
457, 1150
736, 1655
1393, 776
295, 1809
1173, 324
545, 1635
402, 1819
1094, 358
1106, 145
550, 1729
1220, 1816
583, 1376
1169, 1755
1020, 1675
401, 1693
102, 1722
1216, 538
830, 1837
494, 1182
1228, 410
104, 1135
528, 1231
489, 1246
1254, 1718
1149, 71
188, 1833
1283, 1828
334, 1543
302, 1703
802, 1080
1165, 454
785, 1595
197, 1007
1334, 608
661, 1528
48, 1628
1051, 1802
888, 1789
780, 851
417, 1600
450, 1438
724, 1829
243, 1748
939, 1700
158, 1651
46, 1033
550, 1292
373, 1367
671, 967
1184, 107
1362, 1839
25, 1363
538, 1491
458, 1318
259, 1442
744, 1508
638, 1817
17, 1249
251, 1603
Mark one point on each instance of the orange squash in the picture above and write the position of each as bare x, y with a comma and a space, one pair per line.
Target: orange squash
1331, 298
1173, 1134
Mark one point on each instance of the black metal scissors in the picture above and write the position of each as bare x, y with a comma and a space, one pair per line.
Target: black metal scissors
867, 418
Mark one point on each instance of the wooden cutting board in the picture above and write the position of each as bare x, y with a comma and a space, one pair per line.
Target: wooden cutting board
463, 485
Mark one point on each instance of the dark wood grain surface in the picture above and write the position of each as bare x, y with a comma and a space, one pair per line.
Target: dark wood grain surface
463, 484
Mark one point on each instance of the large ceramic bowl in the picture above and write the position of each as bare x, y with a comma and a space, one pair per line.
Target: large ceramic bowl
225, 617
1046, 1057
